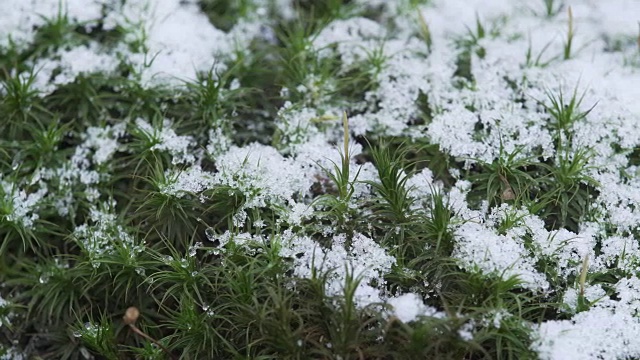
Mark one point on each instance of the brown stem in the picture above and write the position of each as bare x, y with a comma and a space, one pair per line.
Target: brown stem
508, 193
130, 317
141, 333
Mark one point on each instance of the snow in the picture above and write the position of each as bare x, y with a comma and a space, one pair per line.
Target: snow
20, 18
261, 173
166, 139
178, 37
364, 259
98, 237
190, 181
408, 307
600, 333
22, 206
481, 250
171, 41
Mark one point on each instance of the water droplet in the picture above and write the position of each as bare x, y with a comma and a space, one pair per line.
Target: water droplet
44, 278
194, 273
167, 259
140, 271
77, 333
211, 234
192, 251
205, 307
85, 353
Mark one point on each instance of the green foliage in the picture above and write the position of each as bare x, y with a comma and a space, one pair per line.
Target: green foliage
339, 206
564, 113
174, 214
213, 102
552, 7
85, 99
350, 329
394, 205
559, 191
530, 61
200, 299
193, 333
17, 237
571, 189
224, 14
300, 63
21, 105
429, 338
568, 44
324, 11
56, 31
99, 337
469, 44
510, 177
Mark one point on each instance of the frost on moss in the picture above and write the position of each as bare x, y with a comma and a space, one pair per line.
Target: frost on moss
165, 139
103, 235
262, 174
363, 258
20, 207
600, 333
130, 120
410, 306
479, 249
